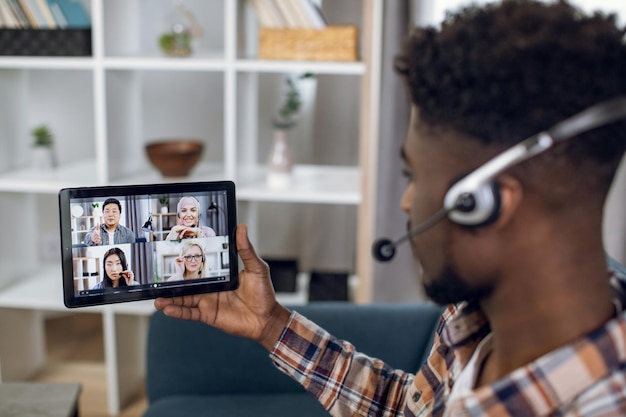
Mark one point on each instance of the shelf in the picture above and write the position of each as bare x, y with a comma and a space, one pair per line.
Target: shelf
79, 174
164, 63
309, 184
68, 63
45, 292
253, 65
42, 292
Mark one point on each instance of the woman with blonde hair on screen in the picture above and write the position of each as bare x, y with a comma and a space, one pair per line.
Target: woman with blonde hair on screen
191, 264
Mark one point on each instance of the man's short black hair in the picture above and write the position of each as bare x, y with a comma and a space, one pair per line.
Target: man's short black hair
112, 201
505, 71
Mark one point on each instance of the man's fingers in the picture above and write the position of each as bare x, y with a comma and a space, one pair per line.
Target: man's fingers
181, 312
246, 251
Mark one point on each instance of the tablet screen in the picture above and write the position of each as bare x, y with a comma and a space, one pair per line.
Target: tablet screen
128, 243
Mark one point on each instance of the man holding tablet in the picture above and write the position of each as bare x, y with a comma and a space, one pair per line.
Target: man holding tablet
534, 324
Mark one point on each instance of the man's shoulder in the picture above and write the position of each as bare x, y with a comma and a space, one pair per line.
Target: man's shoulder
606, 397
125, 229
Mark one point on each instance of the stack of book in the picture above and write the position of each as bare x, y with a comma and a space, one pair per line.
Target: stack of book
43, 14
44, 28
297, 30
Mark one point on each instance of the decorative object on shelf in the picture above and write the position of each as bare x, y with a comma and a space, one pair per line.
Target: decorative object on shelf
333, 44
180, 29
175, 157
42, 148
164, 200
280, 161
77, 210
96, 212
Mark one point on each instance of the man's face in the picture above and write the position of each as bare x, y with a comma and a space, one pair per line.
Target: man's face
431, 167
111, 214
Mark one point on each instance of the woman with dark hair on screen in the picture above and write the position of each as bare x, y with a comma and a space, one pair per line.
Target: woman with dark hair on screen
116, 272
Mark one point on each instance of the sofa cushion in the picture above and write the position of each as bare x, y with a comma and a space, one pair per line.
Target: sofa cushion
275, 405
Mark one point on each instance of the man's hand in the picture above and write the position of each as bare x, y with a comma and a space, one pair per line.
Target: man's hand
250, 311
95, 235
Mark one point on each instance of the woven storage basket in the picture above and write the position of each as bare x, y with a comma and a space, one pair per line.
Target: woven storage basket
334, 43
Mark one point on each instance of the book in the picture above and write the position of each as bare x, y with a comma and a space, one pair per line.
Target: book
19, 13
3, 23
289, 16
274, 13
30, 14
42, 5
74, 13
261, 14
314, 14
300, 14
58, 15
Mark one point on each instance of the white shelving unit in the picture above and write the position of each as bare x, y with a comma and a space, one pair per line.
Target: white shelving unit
102, 110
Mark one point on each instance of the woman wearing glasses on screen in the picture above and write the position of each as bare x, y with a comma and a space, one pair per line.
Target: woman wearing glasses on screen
191, 262
116, 272
188, 213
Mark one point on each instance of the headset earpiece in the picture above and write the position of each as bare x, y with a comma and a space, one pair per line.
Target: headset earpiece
475, 206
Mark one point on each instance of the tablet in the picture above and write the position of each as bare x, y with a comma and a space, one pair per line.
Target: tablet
129, 243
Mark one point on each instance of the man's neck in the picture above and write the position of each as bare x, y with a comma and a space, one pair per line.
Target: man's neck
110, 229
545, 310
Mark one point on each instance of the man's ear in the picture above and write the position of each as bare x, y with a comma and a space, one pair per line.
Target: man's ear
511, 194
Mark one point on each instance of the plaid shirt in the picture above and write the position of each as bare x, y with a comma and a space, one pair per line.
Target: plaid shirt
585, 378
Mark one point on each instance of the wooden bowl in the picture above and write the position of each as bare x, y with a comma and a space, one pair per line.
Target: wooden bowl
174, 158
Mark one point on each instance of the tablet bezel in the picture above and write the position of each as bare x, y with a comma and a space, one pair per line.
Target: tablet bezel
145, 291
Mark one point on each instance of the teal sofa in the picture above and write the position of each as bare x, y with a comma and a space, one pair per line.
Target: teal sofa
194, 370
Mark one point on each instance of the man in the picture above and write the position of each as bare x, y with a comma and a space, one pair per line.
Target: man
534, 324
111, 231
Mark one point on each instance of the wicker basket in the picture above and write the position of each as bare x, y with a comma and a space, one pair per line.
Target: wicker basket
334, 43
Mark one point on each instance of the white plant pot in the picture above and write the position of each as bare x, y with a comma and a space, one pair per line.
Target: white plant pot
42, 158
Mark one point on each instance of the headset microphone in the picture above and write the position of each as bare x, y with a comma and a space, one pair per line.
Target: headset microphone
474, 200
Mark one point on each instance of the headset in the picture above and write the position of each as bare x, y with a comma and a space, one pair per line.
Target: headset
474, 200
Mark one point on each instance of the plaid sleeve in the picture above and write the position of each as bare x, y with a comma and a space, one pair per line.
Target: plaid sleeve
346, 383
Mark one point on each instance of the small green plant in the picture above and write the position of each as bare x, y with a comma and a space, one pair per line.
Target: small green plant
164, 200
176, 44
42, 136
288, 112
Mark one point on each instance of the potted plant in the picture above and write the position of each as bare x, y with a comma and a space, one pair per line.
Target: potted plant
180, 29
280, 161
164, 200
42, 147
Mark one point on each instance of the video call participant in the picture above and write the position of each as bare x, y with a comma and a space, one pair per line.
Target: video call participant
116, 272
534, 324
188, 215
191, 264
111, 231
